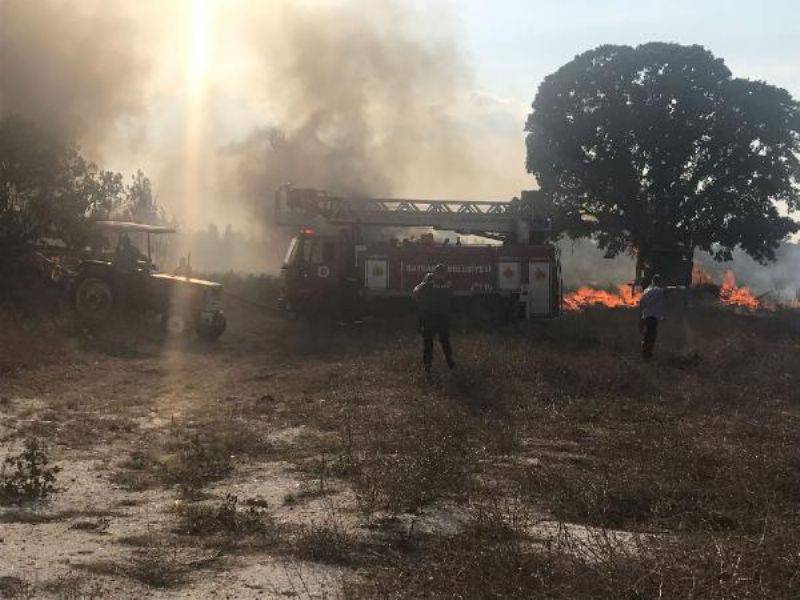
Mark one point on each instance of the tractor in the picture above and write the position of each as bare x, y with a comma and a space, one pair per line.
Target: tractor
127, 280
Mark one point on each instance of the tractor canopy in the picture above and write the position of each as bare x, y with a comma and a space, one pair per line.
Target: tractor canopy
129, 226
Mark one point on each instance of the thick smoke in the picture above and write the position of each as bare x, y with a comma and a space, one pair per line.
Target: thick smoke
363, 105
73, 67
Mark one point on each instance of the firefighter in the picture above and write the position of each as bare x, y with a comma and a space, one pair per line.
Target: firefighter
434, 297
652, 309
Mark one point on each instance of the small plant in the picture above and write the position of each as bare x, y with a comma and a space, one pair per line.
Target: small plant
226, 517
71, 587
419, 457
14, 587
25, 477
198, 463
328, 543
156, 567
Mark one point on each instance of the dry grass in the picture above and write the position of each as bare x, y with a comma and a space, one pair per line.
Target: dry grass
677, 474
14, 587
329, 542
492, 559
156, 566
30, 342
225, 517
697, 451
70, 587
679, 478
192, 454
402, 460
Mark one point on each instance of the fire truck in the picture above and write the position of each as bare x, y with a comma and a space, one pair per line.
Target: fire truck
343, 256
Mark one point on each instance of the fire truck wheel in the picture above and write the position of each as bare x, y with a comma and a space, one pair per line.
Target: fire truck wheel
94, 299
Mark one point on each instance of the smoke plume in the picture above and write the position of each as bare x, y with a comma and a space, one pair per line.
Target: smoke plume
363, 105
356, 97
75, 68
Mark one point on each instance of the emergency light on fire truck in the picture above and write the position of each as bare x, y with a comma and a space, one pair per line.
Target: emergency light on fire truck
335, 262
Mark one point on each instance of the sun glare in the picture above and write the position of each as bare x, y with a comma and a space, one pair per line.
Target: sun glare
200, 42
197, 72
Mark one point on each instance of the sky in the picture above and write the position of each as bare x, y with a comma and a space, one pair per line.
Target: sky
219, 101
513, 44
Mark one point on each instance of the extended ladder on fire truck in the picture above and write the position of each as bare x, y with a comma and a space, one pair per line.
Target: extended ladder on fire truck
519, 276
296, 206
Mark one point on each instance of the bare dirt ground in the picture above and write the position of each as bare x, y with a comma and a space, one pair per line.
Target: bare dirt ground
317, 462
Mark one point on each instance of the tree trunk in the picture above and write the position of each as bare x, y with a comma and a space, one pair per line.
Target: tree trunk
673, 264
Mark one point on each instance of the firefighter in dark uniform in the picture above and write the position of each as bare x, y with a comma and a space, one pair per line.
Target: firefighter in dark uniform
127, 256
434, 297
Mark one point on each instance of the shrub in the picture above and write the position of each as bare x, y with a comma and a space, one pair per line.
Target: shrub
196, 464
328, 543
226, 517
26, 476
418, 457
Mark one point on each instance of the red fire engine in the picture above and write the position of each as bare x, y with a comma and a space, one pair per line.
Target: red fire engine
334, 260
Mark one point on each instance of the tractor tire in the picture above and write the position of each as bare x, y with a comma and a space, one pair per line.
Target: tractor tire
211, 331
94, 299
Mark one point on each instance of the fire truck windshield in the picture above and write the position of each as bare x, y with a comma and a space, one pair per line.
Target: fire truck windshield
312, 251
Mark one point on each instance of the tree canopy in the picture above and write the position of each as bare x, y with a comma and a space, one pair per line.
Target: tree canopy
48, 190
140, 203
659, 146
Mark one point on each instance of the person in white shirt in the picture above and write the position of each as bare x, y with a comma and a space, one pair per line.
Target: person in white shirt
653, 308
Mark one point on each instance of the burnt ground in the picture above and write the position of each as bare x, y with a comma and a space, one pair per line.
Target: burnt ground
290, 460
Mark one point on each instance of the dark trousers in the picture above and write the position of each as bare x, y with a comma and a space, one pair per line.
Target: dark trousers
436, 325
649, 329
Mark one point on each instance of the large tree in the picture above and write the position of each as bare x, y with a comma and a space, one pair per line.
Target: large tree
47, 190
140, 203
659, 147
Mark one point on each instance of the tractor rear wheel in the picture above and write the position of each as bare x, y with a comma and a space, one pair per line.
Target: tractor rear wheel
94, 299
211, 331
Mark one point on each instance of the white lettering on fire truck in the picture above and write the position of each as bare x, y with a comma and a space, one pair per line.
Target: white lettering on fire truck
481, 287
450, 268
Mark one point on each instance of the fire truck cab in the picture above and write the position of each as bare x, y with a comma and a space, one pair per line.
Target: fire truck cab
335, 266
317, 271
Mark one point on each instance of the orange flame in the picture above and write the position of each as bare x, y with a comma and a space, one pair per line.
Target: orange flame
732, 295
587, 296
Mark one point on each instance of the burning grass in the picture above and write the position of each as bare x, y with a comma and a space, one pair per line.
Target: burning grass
727, 292
624, 297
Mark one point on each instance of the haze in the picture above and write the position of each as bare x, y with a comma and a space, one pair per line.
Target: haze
219, 102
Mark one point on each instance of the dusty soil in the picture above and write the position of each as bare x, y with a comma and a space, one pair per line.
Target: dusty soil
357, 467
